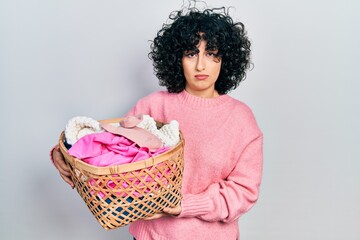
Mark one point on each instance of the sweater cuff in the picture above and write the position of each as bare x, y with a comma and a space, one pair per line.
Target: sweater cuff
51, 153
195, 205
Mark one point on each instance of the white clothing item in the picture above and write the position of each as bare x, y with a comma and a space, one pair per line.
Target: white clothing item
80, 126
168, 133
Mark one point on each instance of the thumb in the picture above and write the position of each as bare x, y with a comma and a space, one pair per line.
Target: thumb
172, 211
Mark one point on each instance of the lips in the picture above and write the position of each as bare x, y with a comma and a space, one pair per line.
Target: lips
201, 76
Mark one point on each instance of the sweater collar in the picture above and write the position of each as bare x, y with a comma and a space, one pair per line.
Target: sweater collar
200, 102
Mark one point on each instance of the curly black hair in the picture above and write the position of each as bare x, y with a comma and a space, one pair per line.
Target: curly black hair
185, 31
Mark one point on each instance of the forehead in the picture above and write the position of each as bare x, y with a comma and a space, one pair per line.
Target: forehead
210, 39
200, 41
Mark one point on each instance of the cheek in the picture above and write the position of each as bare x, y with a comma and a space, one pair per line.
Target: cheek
217, 69
185, 67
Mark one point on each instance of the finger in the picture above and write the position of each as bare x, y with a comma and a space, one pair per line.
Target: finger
172, 211
67, 180
156, 216
59, 159
168, 210
65, 172
60, 164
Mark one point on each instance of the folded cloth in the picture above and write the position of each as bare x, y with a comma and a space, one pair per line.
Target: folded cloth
127, 128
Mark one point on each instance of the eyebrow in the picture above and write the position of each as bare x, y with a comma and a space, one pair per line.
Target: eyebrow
197, 50
192, 51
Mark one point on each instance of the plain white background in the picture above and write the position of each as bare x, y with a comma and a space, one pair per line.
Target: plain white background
60, 59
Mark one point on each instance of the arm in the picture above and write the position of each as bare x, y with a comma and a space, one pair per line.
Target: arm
229, 199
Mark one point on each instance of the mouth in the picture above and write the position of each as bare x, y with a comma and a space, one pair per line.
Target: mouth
201, 76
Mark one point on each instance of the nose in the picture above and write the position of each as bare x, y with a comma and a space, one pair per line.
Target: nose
200, 65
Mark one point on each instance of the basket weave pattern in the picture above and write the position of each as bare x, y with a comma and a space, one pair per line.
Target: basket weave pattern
119, 195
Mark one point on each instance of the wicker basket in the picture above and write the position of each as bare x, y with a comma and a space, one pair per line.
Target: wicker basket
118, 195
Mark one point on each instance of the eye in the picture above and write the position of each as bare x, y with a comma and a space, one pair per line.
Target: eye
211, 53
190, 54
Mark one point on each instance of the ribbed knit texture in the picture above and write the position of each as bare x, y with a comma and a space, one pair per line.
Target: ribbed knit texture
223, 165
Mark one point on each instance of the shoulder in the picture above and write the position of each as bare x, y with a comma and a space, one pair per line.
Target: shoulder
240, 107
156, 96
243, 114
152, 103
157, 104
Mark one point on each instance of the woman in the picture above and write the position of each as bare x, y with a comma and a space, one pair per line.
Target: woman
199, 57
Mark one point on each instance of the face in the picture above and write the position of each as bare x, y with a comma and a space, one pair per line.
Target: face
201, 69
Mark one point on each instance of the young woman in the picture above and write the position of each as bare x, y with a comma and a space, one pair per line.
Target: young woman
199, 57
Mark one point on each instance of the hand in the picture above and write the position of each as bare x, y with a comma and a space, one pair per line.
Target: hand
61, 166
167, 212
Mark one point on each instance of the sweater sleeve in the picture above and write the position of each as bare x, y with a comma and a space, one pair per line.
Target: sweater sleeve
134, 110
228, 199
142, 106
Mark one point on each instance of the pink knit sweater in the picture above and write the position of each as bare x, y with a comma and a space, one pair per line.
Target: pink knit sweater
223, 166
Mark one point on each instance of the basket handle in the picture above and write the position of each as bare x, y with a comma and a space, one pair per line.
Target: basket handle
121, 168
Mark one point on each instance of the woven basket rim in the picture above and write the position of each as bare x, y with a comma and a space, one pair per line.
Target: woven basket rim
81, 165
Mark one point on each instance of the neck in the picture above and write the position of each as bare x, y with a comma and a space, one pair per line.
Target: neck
204, 94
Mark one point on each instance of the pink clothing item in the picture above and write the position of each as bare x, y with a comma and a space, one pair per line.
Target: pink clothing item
128, 129
106, 149
131, 121
223, 165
